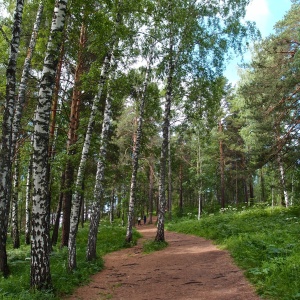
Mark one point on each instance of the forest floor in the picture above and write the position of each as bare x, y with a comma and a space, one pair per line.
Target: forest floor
189, 267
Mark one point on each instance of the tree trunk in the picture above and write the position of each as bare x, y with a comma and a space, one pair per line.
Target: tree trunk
15, 204
75, 211
66, 205
99, 185
72, 138
40, 265
24, 79
5, 154
222, 167
28, 202
136, 152
169, 176
151, 185
180, 189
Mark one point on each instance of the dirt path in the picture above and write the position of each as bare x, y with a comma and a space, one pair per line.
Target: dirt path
189, 268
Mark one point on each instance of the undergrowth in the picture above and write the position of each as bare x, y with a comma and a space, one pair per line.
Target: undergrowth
263, 241
151, 246
17, 285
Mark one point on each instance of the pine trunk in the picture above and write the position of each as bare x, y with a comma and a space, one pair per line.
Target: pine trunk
72, 139
40, 265
5, 154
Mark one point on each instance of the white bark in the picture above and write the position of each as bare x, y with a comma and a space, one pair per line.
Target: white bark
99, 188
24, 79
75, 210
5, 151
136, 152
40, 265
76, 198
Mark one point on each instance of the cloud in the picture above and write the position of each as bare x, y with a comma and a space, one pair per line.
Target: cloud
259, 11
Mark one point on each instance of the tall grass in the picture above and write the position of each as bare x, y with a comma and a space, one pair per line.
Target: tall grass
263, 241
17, 285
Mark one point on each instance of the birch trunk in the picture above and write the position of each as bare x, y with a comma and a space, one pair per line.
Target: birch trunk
160, 235
75, 210
151, 185
285, 197
15, 205
99, 188
76, 199
222, 168
135, 154
40, 265
169, 176
5, 154
28, 203
24, 79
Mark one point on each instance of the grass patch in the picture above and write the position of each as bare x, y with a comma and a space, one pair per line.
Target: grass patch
263, 241
151, 246
17, 285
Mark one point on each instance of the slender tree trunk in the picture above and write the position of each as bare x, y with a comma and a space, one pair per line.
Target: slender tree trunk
160, 234
199, 172
136, 152
72, 139
222, 167
180, 189
15, 204
75, 211
246, 192
285, 197
151, 185
251, 190
58, 213
169, 176
40, 265
5, 151
24, 79
112, 206
262, 184
99, 185
28, 202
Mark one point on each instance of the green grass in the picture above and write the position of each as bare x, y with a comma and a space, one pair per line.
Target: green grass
151, 246
17, 285
263, 241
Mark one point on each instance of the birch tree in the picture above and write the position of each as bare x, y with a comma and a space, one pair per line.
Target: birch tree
199, 35
136, 151
40, 265
5, 151
76, 198
99, 187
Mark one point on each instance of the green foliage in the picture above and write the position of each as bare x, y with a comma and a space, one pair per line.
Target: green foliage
262, 241
110, 238
151, 246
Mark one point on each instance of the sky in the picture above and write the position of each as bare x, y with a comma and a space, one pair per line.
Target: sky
265, 13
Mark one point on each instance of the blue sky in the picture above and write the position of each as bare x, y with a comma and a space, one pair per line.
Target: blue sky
265, 13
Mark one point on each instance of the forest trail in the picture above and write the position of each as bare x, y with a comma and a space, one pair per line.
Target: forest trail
189, 268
